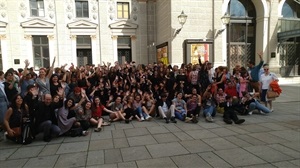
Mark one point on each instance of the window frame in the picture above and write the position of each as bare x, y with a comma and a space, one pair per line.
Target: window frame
41, 48
82, 9
38, 8
122, 11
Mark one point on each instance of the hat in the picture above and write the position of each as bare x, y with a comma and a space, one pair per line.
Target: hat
29, 87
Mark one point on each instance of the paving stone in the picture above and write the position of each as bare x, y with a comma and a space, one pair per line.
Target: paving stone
274, 126
101, 135
8, 144
201, 134
167, 149
191, 160
122, 126
285, 164
157, 130
72, 160
167, 137
104, 166
95, 157
255, 128
219, 143
182, 136
237, 141
141, 140
160, 162
5, 153
296, 162
118, 133
73, 147
285, 150
238, 130
290, 135
207, 125
127, 165
189, 127
27, 152
121, 143
239, 157
49, 150
135, 153
214, 160
260, 166
78, 139
13, 163
293, 145
195, 146
57, 140
151, 123
172, 127
112, 156
101, 144
44, 161
136, 132
267, 138
223, 132
250, 140
267, 153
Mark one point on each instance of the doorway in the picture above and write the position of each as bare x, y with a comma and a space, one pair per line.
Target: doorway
84, 57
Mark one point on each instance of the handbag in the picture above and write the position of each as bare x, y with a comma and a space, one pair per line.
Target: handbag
17, 131
272, 94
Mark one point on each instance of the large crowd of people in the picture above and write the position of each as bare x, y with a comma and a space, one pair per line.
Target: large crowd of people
60, 102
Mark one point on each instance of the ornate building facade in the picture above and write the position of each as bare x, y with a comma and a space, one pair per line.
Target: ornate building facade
146, 31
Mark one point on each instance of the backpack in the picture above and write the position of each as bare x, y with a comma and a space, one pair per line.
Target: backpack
27, 136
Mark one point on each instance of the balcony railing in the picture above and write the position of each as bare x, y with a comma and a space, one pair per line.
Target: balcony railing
288, 24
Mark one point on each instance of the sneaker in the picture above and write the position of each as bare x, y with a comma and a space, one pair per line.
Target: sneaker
167, 120
209, 119
97, 129
127, 121
194, 119
173, 120
148, 118
85, 133
227, 121
240, 121
142, 119
187, 119
250, 112
272, 110
261, 112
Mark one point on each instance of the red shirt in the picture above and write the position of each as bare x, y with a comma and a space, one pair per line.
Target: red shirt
98, 111
231, 91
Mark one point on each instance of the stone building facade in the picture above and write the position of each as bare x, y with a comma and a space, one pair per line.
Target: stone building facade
95, 31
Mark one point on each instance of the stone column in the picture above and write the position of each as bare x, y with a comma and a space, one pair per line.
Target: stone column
94, 50
30, 55
73, 49
133, 48
115, 47
4, 52
52, 50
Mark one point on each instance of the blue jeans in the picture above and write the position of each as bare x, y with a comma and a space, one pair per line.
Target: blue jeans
141, 113
180, 116
256, 105
209, 111
49, 129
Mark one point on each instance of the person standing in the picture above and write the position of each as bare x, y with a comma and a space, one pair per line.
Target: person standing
254, 73
3, 100
266, 78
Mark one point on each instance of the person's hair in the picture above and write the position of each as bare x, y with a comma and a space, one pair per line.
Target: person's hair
228, 97
66, 102
1, 73
163, 95
244, 93
7, 73
14, 104
251, 62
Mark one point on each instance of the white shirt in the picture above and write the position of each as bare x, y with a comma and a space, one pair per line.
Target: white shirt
267, 79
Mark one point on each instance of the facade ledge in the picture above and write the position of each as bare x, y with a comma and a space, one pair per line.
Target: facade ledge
123, 25
82, 24
3, 24
37, 23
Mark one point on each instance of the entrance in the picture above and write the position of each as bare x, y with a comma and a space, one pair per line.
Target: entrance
124, 55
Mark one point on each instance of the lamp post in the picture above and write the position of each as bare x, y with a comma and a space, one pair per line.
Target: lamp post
182, 19
225, 20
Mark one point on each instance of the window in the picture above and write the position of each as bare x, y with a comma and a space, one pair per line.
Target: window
123, 10
40, 47
1, 65
291, 9
82, 9
37, 8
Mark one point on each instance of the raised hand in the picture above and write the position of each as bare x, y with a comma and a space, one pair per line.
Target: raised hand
26, 63
60, 91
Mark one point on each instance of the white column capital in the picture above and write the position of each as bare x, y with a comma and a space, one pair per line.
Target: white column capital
2, 36
28, 37
50, 37
133, 37
114, 37
73, 37
93, 37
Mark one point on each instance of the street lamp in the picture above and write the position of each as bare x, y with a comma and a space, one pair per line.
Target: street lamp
182, 19
225, 20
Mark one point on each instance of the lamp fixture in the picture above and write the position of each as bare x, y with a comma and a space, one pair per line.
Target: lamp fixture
225, 20
182, 19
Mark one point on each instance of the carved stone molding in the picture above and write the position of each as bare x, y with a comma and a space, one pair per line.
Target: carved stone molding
93, 37
114, 37
133, 37
50, 37
73, 37
27, 37
2, 36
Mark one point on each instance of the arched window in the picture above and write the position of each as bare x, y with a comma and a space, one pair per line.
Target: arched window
291, 9
241, 8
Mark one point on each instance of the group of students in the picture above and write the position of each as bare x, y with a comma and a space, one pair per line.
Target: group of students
60, 101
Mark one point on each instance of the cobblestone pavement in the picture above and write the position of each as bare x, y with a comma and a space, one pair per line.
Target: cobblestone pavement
271, 140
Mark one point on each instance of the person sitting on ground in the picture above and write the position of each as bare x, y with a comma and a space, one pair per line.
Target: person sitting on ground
180, 107
129, 110
137, 105
148, 104
251, 104
193, 108
117, 108
209, 105
166, 109
97, 111
229, 112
